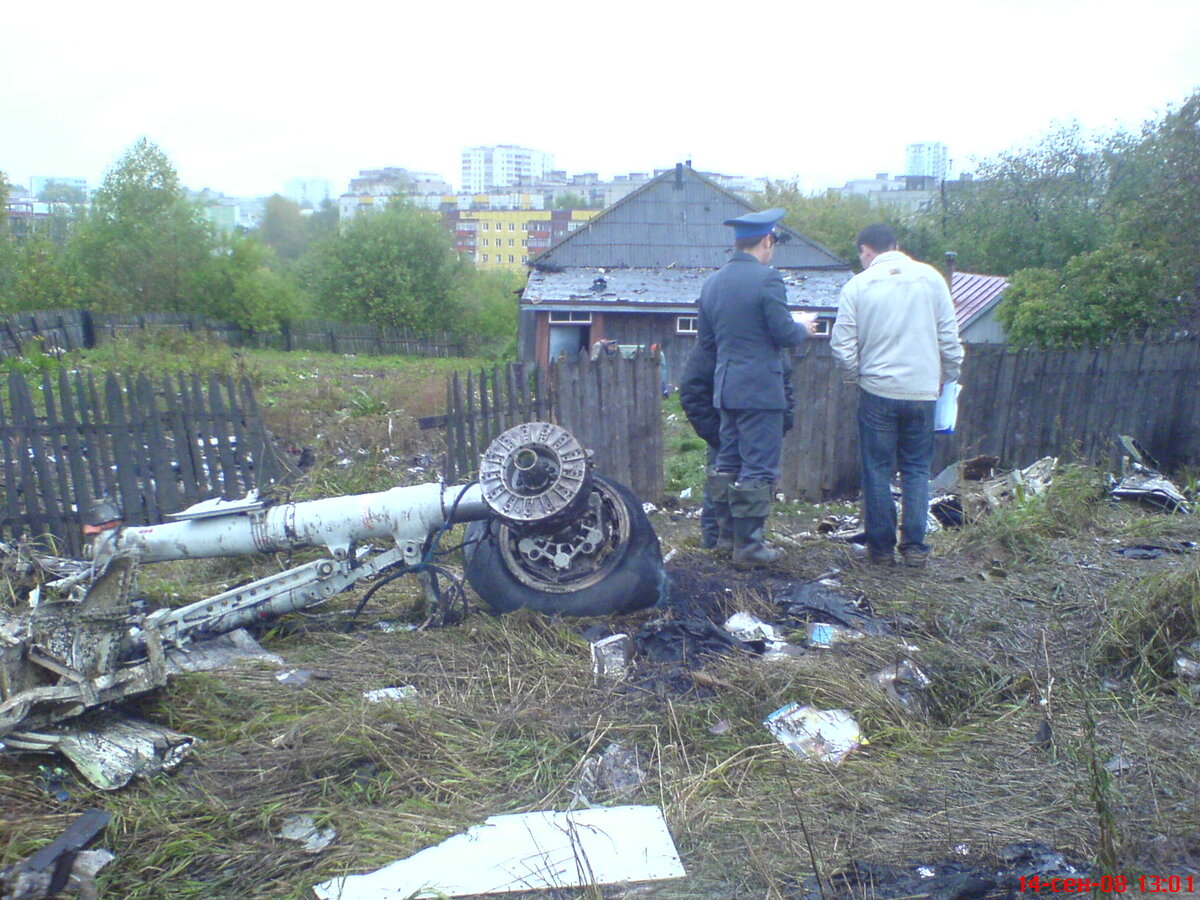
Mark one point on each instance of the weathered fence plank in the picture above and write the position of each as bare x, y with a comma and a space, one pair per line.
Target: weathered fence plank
151, 460
1018, 405
612, 406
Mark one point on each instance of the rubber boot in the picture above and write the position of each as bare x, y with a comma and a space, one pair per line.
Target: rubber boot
750, 505
718, 486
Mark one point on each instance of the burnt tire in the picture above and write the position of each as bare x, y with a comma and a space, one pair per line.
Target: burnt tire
619, 575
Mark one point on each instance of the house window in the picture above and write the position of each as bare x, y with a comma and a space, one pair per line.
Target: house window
485, 257
485, 226
512, 226
823, 327
524, 258
510, 258
686, 324
570, 318
510, 242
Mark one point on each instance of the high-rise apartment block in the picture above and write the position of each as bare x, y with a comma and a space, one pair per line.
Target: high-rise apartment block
503, 165
930, 159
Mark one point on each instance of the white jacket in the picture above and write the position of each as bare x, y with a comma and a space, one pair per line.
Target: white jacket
896, 334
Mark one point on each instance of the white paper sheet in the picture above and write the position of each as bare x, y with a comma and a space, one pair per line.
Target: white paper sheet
527, 851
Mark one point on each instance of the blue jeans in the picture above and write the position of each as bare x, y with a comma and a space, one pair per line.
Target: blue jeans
895, 434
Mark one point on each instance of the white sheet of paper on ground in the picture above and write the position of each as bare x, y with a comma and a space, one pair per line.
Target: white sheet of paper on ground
527, 851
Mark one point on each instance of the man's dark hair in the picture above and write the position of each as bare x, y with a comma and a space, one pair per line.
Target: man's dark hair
746, 243
879, 238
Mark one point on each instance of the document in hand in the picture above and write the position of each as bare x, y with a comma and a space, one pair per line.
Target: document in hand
945, 412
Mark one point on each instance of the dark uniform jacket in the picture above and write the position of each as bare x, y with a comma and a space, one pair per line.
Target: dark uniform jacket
696, 395
745, 322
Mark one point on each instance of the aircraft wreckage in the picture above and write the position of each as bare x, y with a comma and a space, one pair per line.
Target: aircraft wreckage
542, 532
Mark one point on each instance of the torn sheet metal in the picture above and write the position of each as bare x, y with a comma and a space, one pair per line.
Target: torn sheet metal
47, 872
1149, 486
826, 600
811, 733
110, 752
527, 851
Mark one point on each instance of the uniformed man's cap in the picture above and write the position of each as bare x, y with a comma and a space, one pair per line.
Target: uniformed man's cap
755, 224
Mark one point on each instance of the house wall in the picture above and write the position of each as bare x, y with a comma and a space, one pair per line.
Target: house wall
984, 330
641, 329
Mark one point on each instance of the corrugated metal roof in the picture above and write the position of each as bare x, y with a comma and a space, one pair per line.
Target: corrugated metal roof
673, 220
638, 289
974, 295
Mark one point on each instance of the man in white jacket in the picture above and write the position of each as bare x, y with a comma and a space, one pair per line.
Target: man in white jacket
896, 337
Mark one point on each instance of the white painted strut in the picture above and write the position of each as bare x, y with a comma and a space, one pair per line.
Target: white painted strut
406, 514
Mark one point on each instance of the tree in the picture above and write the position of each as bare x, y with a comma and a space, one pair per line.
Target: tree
243, 289
143, 247
1156, 190
1033, 208
830, 219
41, 278
8, 254
59, 192
490, 309
570, 200
284, 228
1116, 291
397, 267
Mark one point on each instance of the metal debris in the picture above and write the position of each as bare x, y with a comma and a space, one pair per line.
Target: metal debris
110, 752
824, 599
1150, 486
48, 871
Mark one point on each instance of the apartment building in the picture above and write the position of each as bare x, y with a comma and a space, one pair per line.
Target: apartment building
509, 238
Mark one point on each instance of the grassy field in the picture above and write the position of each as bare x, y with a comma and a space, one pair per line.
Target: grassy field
1053, 711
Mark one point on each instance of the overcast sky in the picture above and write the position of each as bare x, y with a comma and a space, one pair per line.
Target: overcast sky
244, 94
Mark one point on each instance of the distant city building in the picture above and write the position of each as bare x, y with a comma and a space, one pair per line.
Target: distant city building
392, 180
930, 159
502, 165
229, 214
509, 238
308, 192
39, 183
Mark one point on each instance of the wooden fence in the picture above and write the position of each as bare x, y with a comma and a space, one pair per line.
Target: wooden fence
75, 329
612, 405
1016, 405
155, 450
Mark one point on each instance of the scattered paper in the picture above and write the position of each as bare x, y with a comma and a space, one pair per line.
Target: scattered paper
826, 734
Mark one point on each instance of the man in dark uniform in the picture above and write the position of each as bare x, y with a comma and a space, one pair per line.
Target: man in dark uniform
745, 321
696, 397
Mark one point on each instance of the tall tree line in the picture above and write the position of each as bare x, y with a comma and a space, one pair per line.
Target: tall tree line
142, 246
1099, 236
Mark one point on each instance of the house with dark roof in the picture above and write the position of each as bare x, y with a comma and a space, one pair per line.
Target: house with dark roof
975, 301
633, 273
